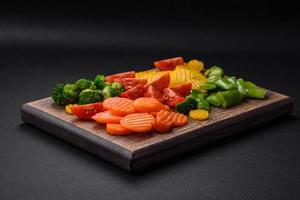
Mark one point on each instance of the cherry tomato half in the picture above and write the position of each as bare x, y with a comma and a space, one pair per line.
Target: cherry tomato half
86, 111
168, 64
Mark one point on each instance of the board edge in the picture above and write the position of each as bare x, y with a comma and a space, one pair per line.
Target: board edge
78, 137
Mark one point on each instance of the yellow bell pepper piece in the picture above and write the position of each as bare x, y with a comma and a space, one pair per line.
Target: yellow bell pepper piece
68, 108
199, 114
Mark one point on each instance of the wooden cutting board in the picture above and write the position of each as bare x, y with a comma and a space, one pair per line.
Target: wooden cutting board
135, 152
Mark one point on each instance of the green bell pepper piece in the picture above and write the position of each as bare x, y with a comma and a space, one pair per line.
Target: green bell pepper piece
202, 103
213, 78
253, 91
256, 93
223, 83
214, 100
241, 86
231, 79
214, 70
250, 84
229, 98
209, 86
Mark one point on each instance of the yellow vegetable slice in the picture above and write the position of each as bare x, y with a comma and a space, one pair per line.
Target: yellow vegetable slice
68, 108
199, 114
196, 65
150, 75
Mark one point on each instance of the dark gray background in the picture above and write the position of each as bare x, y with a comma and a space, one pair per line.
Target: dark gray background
42, 44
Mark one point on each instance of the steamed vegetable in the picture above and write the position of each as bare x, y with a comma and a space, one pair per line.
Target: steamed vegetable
83, 84
99, 82
112, 90
186, 106
90, 96
64, 94
199, 114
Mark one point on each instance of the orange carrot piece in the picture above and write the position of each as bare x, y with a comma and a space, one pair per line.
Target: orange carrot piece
107, 103
116, 129
163, 121
148, 104
123, 107
106, 117
178, 119
138, 122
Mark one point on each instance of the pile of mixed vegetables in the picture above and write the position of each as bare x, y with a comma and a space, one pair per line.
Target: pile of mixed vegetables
156, 99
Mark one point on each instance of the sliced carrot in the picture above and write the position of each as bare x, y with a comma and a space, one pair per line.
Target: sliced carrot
116, 129
148, 104
163, 121
154, 114
106, 117
122, 107
107, 103
178, 119
138, 122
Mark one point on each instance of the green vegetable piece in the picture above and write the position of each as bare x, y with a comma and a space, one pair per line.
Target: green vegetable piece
249, 84
59, 97
229, 98
202, 103
213, 78
112, 90
214, 70
118, 86
57, 94
99, 82
223, 83
214, 100
90, 96
256, 93
64, 94
186, 106
231, 79
83, 84
241, 87
209, 86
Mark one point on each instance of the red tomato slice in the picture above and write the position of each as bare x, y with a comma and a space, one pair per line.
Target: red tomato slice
168, 64
111, 78
129, 83
154, 93
183, 89
171, 98
161, 83
135, 92
86, 111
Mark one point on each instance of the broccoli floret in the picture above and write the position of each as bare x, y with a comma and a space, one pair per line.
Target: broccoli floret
118, 86
112, 90
186, 106
83, 84
64, 94
90, 96
99, 82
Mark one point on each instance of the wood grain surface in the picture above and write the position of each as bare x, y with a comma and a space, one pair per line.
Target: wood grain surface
141, 150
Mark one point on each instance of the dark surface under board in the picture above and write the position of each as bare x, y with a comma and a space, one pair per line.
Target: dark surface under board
254, 40
139, 151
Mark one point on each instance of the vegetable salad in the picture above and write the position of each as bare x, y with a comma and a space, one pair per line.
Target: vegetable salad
157, 99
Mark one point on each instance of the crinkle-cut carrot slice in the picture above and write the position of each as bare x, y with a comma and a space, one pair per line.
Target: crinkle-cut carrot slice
148, 104
122, 107
106, 117
138, 122
116, 129
178, 119
107, 103
163, 121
